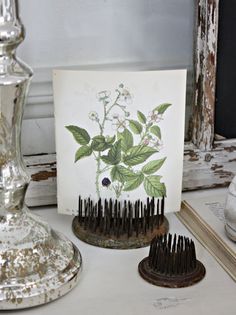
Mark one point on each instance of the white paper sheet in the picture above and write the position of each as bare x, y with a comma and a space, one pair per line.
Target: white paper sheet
83, 98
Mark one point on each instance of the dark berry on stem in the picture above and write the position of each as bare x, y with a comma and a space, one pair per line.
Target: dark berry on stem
106, 182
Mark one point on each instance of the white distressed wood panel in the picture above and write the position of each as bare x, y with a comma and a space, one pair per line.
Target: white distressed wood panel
42, 188
210, 169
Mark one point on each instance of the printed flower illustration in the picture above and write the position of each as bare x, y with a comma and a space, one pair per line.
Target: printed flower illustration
154, 117
125, 96
104, 96
119, 124
158, 144
93, 116
146, 141
115, 116
127, 159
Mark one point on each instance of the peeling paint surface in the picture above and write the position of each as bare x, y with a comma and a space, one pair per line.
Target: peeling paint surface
215, 171
202, 124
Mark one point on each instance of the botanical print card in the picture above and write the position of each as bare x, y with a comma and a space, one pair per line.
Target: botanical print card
119, 135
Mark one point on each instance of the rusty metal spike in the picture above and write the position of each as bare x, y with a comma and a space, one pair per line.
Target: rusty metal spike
162, 209
115, 218
145, 220
148, 213
85, 216
152, 223
123, 225
95, 218
128, 220
158, 214
119, 220
169, 241
79, 209
136, 219
90, 218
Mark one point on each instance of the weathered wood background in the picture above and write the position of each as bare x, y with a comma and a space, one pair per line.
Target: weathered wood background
202, 124
209, 169
42, 189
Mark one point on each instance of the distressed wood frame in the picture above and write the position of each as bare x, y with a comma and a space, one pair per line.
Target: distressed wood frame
207, 163
202, 125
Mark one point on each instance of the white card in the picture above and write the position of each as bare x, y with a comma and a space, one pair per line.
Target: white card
119, 135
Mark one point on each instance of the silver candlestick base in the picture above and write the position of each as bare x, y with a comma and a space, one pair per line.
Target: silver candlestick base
37, 264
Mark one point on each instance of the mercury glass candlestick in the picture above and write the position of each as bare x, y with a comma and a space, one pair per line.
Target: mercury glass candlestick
37, 264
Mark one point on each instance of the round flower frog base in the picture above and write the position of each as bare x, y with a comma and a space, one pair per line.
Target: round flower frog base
172, 263
120, 225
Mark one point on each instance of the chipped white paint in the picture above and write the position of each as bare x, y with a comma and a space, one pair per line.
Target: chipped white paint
209, 169
202, 127
42, 188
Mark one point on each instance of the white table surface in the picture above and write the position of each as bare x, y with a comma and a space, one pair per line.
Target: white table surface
110, 283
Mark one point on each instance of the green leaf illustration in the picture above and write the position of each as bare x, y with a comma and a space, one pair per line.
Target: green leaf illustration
83, 152
110, 140
141, 117
162, 108
80, 135
99, 144
134, 183
156, 131
153, 166
153, 186
127, 140
138, 155
121, 173
135, 126
114, 154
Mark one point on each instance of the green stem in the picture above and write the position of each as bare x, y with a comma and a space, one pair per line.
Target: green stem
107, 112
144, 135
107, 168
98, 159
